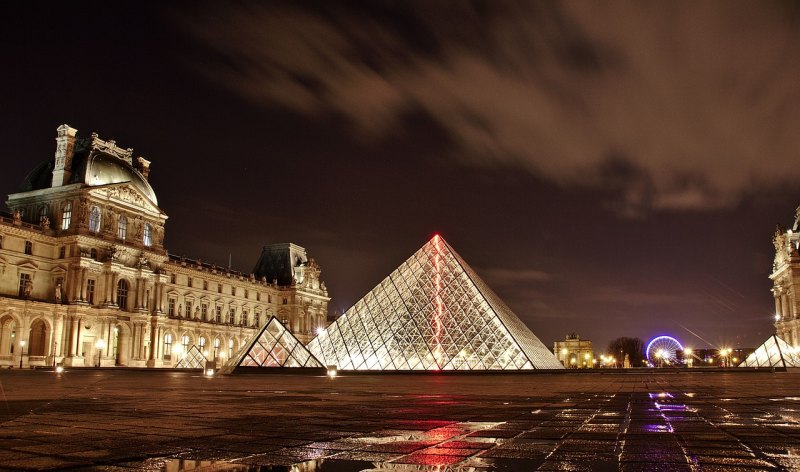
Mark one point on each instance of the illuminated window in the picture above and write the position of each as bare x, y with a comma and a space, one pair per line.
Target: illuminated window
28, 248
66, 215
147, 238
94, 219
202, 342
122, 294
230, 348
122, 227
167, 347
185, 343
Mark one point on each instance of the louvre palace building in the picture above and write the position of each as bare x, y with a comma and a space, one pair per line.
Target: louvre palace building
786, 282
85, 278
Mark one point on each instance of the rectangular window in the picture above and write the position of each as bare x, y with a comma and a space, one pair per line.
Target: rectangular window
219, 288
205, 285
258, 296
188, 281
24, 280
232, 315
171, 306
90, 291
122, 227
167, 347
188, 313
203, 312
246, 293
66, 216
62, 253
269, 298
28, 248
218, 314
172, 278
257, 319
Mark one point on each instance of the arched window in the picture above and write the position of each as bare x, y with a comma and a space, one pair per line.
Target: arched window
230, 348
122, 227
185, 342
66, 215
42, 213
94, 219
202, 343
122, 294
147, 238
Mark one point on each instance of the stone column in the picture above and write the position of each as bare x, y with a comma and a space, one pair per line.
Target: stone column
114, 282
82, 289
785, 307
136, 340
74, 338
58, 328
778, 309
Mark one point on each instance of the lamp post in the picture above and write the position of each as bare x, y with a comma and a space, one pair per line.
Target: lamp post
100, 345
21, 352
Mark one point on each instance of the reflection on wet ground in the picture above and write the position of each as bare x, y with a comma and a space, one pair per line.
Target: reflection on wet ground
630, 422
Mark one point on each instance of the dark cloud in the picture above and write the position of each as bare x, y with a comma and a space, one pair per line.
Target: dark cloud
699, 98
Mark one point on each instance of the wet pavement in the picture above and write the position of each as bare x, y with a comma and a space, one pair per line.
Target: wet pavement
153, 420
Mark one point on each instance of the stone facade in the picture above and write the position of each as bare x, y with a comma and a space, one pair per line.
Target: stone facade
786, 282
574, 352
85, 278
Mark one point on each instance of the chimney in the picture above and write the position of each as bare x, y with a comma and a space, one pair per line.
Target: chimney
65, 148
143, 166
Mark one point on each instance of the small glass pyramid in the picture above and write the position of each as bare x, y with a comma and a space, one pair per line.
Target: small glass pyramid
275, 346
432, 313
775, 352
192, 359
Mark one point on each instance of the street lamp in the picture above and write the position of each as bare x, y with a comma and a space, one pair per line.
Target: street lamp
21, 352
100, 345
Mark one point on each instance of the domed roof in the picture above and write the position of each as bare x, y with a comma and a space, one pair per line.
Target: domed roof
93, 168
102, 169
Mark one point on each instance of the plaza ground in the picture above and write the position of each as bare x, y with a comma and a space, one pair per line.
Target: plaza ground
156, 420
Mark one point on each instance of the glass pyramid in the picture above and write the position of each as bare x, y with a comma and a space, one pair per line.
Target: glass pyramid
775, 352
274, 346
432, 313
192, 359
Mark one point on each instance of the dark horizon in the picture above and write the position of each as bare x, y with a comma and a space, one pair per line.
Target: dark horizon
606, 173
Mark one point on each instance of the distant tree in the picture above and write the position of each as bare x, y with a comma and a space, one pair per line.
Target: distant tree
633, 347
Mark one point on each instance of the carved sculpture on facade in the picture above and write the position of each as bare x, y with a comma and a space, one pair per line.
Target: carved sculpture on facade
58, 294
17, 217
781, 243
45, 222
143, 262
28, 288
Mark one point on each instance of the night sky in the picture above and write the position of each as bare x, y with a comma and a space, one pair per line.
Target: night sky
611, 169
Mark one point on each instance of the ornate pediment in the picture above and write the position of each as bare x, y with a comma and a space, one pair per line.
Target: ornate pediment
125, 195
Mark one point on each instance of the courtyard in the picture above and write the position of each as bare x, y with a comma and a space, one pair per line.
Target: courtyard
120, 420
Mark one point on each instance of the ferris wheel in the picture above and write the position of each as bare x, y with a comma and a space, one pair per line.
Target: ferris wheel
663, 349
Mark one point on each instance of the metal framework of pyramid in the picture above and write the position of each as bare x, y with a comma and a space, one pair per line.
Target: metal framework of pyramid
275, 346
775, 352
432, 313
192, 359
